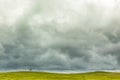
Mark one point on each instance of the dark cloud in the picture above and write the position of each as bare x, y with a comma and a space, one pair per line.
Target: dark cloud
69, 35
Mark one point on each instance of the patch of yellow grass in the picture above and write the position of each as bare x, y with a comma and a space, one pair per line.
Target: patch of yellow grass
53, 76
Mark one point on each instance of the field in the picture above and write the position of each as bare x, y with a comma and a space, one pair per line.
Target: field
55, 76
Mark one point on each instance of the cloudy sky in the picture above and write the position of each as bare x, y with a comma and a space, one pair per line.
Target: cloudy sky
60, 34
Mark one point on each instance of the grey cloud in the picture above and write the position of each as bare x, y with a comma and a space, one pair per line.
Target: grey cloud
62, 36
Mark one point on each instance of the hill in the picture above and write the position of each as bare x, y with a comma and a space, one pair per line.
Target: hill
56, 76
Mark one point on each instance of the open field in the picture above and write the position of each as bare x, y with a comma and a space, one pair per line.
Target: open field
54, 76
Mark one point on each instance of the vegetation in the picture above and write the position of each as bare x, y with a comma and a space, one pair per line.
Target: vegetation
54, 76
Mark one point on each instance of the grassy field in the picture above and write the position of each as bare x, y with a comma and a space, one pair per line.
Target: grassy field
54, 76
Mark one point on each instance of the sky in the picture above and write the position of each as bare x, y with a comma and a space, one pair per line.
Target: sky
60, 34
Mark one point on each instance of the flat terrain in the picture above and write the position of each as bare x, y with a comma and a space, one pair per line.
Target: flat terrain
54, 76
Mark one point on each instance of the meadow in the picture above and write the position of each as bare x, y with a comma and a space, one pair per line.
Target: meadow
56, 76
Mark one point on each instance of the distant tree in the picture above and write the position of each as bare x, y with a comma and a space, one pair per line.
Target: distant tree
30, 69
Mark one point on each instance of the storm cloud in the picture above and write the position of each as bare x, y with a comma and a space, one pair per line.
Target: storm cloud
59, 35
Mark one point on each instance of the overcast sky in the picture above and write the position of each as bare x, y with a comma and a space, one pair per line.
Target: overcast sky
59, 34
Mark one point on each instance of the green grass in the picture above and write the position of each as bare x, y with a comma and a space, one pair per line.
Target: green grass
54, 76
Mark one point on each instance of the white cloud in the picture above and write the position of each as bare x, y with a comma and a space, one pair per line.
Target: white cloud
63, 34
